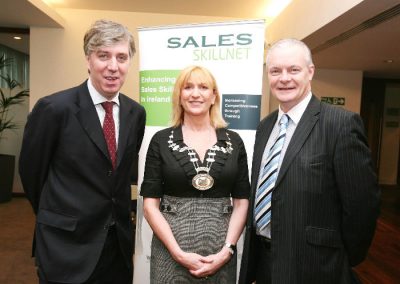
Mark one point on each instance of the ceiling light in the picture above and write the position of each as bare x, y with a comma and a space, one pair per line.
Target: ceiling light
52, 3
17, 37
275, 7
388, 61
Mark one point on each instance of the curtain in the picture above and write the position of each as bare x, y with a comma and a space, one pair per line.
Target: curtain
19, 67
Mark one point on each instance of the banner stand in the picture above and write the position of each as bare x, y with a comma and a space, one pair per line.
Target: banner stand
233, 52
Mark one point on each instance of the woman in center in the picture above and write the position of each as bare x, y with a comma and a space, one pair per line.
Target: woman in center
195, 187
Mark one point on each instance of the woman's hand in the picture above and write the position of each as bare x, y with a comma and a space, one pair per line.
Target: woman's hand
212, 264
192, 261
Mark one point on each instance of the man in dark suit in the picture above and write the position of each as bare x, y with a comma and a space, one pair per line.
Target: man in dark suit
315, 199
76, 166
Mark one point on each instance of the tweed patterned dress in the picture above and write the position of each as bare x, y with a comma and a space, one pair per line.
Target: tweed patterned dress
199, 226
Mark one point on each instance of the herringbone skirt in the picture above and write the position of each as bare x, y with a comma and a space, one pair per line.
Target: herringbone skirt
200, 226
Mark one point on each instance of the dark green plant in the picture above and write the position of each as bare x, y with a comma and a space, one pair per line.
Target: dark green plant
11, 95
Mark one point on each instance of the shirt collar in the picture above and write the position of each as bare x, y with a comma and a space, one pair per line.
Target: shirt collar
296, 112
97, 98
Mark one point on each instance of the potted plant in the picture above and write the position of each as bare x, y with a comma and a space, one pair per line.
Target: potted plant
12, 94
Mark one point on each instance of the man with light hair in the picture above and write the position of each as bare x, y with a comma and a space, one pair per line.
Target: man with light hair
314, 196
79, 150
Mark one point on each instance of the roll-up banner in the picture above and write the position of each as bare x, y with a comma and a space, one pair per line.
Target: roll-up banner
233, 52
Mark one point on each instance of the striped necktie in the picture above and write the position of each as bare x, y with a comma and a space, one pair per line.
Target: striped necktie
267, 180
109, 132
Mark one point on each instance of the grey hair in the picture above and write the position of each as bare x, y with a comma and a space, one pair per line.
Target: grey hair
289, 42
107, 33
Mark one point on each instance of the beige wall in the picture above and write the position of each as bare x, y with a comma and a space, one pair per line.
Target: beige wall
339, 83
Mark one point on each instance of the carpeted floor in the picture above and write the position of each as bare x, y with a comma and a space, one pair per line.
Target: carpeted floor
16, 230
17, 222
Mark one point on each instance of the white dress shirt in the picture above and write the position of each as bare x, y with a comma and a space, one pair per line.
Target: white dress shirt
97, 99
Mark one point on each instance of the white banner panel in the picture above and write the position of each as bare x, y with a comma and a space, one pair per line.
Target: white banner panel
233, 52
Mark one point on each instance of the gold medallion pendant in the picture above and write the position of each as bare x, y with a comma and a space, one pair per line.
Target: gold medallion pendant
202, 181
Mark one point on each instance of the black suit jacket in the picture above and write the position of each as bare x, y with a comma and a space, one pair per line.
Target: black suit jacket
325, 201
68, 177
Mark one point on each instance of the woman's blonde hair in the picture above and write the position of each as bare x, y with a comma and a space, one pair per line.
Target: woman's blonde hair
204, 76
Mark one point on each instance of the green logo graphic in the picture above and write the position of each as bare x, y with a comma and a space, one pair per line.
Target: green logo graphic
156, 87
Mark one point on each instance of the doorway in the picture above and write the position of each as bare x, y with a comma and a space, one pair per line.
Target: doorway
380, 111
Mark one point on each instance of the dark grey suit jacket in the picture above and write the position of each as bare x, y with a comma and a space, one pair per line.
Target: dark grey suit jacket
68, 177
325, 202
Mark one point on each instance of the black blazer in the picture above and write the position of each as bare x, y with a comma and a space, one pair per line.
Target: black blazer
325, 201
68, 177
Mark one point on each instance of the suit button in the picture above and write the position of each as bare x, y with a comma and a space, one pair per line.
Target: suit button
113, 200
109, 173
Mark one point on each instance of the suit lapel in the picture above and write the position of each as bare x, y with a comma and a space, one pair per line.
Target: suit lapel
89, 119
303, 130
261, 144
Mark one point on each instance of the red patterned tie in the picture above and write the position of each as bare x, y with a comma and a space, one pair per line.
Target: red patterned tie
109, 131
